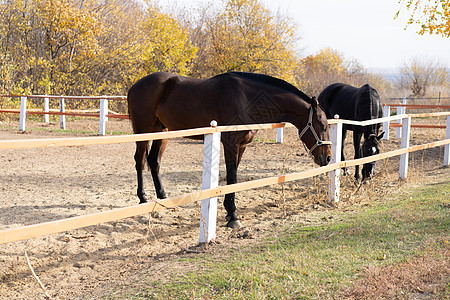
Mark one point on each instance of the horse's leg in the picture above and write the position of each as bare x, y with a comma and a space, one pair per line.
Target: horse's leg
357, 145
233, 153
139, 157
154, 161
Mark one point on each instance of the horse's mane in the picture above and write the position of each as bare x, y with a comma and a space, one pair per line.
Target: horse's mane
279, 83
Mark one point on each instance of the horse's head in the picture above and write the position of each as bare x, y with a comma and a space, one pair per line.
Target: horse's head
370, 146
316, 135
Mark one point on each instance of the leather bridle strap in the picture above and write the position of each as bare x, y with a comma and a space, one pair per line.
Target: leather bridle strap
319, 142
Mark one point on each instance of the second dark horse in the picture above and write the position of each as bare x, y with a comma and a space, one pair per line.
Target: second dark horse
357, 104
163, 101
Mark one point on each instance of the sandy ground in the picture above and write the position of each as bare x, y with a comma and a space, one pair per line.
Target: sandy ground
39, 185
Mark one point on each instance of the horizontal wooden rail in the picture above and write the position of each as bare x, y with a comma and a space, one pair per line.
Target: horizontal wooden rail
102, 140
67, 113
418, 106
420, 125
391, 118
66, 97
31, 231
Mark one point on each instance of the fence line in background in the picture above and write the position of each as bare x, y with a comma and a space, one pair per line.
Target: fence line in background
103, 112
102, 115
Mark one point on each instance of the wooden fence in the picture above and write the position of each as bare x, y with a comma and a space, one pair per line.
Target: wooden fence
210, 189
103, 112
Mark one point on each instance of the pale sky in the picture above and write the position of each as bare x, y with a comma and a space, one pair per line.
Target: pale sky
364, 30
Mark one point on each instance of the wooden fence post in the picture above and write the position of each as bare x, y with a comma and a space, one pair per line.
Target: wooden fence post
103, 113
398, 131
386, 113
210, 179
46, 109
62, 118
401, 110
23, 113
406, 129
447, 147
280, 135
336, 148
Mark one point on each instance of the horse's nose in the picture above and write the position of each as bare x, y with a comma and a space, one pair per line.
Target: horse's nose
323, 160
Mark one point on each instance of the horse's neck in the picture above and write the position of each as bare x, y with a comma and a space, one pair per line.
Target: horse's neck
267, 109
295, 112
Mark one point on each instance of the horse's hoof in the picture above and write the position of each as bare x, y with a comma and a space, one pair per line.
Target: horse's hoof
234, 224
142, 201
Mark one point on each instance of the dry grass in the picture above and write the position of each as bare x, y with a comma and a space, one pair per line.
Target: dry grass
423, 278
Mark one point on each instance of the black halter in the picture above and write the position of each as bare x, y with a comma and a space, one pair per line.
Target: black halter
319, 142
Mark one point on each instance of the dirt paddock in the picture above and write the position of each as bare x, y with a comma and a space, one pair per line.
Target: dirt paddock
39, 185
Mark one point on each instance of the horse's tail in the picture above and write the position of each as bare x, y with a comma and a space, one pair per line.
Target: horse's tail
371, 107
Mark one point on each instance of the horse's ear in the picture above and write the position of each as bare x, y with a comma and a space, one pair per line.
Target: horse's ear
380, 136
314, 103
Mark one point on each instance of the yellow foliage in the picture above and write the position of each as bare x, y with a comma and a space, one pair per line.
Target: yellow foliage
433, 17
88, 47
329, 66
245, 36
96, 47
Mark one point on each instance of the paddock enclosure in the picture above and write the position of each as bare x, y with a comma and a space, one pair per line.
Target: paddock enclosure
45, 184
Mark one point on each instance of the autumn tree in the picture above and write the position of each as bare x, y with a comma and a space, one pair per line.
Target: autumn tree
328, 66
433, 17
88, 47
135, 41
167, 44
245, 36
420, 74
67, 32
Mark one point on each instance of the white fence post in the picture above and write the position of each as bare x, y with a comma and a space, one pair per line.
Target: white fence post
447, 147
280, 135
103, 113
336, 148
46, 109
398, 131
386, 113
401, 110
406, 129
62, 118
210, 179
23, 113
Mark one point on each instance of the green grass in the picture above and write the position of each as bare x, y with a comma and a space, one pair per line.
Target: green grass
263, 140
318, 262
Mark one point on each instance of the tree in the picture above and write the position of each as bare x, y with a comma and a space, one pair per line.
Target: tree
68, 32
419, 75
245, 36
90, 47
43, 39
328, 66
432, 16
167, 44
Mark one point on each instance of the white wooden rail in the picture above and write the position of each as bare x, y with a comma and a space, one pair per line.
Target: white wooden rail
210, 174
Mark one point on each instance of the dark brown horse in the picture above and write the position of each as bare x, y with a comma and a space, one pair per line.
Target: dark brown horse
164, 101
357, 104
